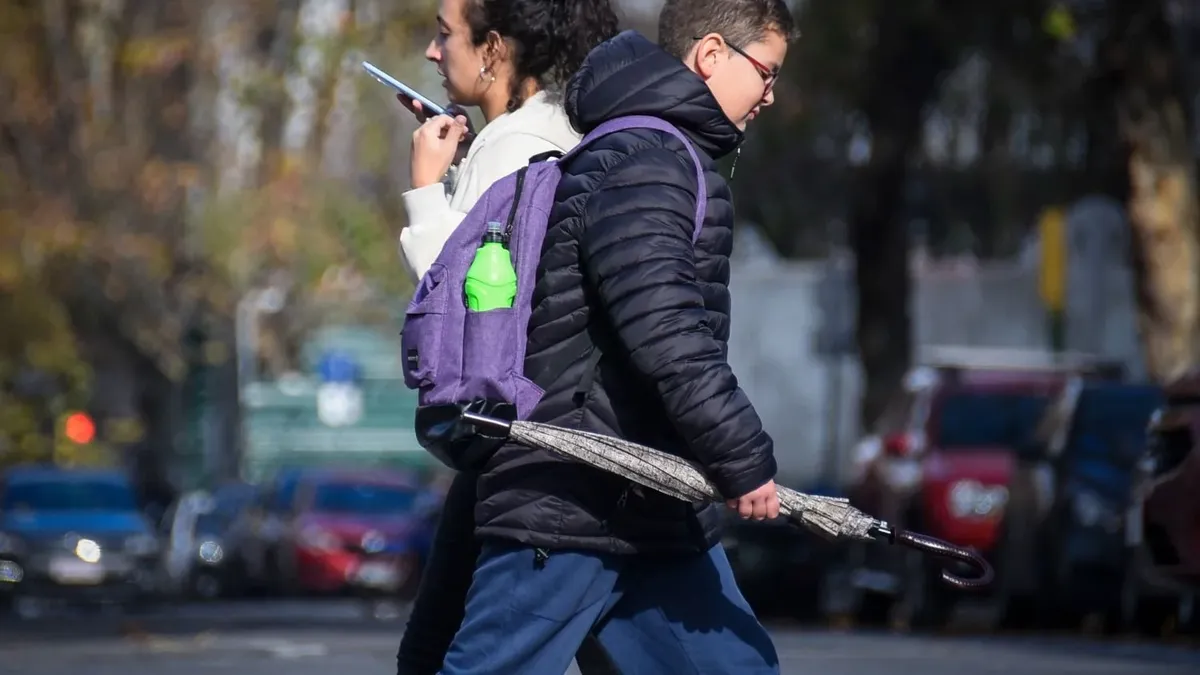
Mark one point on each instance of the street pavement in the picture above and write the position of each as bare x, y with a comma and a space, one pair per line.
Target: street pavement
339, 638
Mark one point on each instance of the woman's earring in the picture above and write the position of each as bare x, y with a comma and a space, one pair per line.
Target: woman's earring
486, 74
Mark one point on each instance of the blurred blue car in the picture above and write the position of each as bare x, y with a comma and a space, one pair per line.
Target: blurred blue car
75, 535
1083, 551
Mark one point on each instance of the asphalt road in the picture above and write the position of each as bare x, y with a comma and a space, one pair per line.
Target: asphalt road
312, 638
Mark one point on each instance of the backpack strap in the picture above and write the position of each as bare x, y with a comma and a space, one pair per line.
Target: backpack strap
658, 124
622, 124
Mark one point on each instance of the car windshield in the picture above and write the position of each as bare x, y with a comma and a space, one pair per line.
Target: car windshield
363, 498
69, 495
212, 523
981, 419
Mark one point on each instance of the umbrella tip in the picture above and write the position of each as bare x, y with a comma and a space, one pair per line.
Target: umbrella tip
486, 422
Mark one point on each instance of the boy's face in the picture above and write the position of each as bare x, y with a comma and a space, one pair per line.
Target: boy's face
741, 77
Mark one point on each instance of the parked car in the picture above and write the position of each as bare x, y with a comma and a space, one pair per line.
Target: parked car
941, 461
74, 536
1079, 478
1162, 525
356, 532
199, 546
256, 536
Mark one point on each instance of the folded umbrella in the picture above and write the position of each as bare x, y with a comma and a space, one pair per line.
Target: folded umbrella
829, 517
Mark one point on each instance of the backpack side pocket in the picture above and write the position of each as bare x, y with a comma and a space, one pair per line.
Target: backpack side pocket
421, 337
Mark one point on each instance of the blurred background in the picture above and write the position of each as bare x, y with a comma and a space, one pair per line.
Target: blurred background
967, 281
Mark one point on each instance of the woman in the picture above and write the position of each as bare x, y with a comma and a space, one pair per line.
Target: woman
509, 58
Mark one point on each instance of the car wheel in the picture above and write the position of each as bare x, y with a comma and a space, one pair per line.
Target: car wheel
835, 597
923, 603
875, 609
206, 586
1143, 612
281, 580
28, 608
1017, 612
1189, 615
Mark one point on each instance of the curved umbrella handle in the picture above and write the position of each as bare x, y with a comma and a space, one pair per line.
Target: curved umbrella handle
942, 549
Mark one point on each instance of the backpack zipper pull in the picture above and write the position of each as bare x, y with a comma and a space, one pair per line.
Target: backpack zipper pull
540, 556
624, 497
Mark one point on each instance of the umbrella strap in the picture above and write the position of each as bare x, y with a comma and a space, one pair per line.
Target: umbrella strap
589, 377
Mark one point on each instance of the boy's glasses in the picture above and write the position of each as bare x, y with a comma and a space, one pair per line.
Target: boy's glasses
768, 75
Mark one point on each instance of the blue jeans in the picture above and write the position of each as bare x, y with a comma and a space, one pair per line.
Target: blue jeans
438, 608
681, 615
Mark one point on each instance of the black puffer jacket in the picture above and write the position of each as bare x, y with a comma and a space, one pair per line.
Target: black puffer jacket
619, 277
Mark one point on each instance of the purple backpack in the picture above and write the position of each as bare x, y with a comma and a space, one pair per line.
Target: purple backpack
459, 360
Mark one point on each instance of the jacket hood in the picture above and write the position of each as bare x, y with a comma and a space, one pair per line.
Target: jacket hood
630, 75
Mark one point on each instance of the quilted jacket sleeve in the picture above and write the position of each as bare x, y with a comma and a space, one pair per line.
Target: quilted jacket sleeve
637, 253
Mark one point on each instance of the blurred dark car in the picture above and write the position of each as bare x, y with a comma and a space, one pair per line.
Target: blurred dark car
1078, 554
256, 536
200, 546
74, 535
1162, 525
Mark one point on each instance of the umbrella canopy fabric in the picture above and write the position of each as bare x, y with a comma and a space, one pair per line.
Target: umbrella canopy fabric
829, 517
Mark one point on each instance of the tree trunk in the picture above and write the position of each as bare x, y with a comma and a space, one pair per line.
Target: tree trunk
905, 66
1143, 72
998, 175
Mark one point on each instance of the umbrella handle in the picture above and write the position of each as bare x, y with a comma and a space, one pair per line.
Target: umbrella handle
942, 549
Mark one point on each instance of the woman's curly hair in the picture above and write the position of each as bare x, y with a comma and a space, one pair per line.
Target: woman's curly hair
549, 39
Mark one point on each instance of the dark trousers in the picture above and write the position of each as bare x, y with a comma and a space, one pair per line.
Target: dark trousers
684, 615
441, 598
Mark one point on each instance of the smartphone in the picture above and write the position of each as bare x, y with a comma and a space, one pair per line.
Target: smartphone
430, 107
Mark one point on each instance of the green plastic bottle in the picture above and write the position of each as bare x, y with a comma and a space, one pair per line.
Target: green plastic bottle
491, 279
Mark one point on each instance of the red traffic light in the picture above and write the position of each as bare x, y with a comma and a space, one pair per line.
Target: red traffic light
79, 428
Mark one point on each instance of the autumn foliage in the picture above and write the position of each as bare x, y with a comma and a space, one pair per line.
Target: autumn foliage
160, 158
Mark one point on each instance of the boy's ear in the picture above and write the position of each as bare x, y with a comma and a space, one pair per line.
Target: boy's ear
706, 54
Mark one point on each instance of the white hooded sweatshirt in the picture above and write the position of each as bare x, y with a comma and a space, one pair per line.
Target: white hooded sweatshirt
503, 146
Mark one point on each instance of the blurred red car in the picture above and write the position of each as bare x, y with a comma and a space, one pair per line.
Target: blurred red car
356, 532
940, 462
1162, 526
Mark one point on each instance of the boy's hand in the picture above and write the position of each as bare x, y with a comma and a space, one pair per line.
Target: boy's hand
761, 503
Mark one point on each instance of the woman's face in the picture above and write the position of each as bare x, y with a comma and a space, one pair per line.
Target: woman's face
458, 61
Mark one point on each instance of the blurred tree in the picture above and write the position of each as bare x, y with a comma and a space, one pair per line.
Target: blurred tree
1141, 78
161, 158
914, 47
960, 118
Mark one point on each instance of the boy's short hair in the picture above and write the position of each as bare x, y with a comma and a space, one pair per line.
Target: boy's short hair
740, 22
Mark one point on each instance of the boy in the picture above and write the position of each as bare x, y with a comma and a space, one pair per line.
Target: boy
628, 338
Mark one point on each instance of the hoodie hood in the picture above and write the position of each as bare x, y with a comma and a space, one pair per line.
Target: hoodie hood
630, 75
541, 116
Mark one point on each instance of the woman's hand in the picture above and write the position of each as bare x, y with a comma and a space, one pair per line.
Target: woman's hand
422, 116
436, 145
